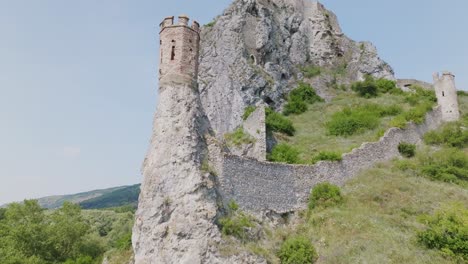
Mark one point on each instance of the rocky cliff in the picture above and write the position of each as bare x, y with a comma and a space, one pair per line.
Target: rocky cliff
255, 50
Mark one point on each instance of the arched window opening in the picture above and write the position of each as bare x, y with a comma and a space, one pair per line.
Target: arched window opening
443, 93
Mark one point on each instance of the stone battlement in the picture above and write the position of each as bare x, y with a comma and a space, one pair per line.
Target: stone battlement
183, 21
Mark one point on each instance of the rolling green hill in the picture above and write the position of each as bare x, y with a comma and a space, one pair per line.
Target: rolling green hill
96, 199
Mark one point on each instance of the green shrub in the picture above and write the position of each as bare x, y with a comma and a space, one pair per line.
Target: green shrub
448, 165
284, 153
305, 93
366, 88
407, 150
351, 121
354, 120
233, 206
462, 93
248, 111
451, 135
419, 95
294, 106
416, 115
297, 250
327, 155
387, 86
299, 98
125, 241
276, 122
236, 226
325, 195
399, 121
447, 230
238, 137
311, 71
210, 24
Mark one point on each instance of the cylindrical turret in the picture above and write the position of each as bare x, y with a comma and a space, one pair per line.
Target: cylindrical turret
179, 48
447, 97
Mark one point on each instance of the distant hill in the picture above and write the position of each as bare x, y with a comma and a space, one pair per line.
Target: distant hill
97, 199
123, 196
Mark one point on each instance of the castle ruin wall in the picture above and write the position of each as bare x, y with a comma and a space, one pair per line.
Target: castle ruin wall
258, 186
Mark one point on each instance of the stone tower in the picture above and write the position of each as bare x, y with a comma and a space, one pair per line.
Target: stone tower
447, 98
177, 207
179, 47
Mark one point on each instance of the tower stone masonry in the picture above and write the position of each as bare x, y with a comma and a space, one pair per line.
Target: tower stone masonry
447, 98
179, 47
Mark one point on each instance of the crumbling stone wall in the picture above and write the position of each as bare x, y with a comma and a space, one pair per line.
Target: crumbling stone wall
257, 185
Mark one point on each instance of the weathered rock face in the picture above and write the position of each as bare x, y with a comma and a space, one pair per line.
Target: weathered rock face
254, 51
177, 205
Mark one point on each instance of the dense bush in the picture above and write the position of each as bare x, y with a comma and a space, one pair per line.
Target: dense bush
387, 86
325, 195
449, 165
276, 122
248, 111
238, 137
299, 98
311, 71
236, 225
351, 121
416, 115
447, 230
419, 95
284, 153
462, 93
366, 88
407, 150
354, 120
327, 155
297, 250
294, 106
451, 135
371, 87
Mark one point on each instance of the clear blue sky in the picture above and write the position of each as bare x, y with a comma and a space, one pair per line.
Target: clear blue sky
78, 78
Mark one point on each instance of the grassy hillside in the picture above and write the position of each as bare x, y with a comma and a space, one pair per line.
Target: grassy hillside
394, 213
378, 221
351, 119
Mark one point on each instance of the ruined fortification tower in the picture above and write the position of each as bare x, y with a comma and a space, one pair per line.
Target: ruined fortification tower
446, 93
177, 204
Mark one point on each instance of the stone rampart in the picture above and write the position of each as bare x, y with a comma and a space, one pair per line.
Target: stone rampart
257, 185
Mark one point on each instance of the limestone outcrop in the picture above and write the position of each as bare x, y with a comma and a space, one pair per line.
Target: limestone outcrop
254, 51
